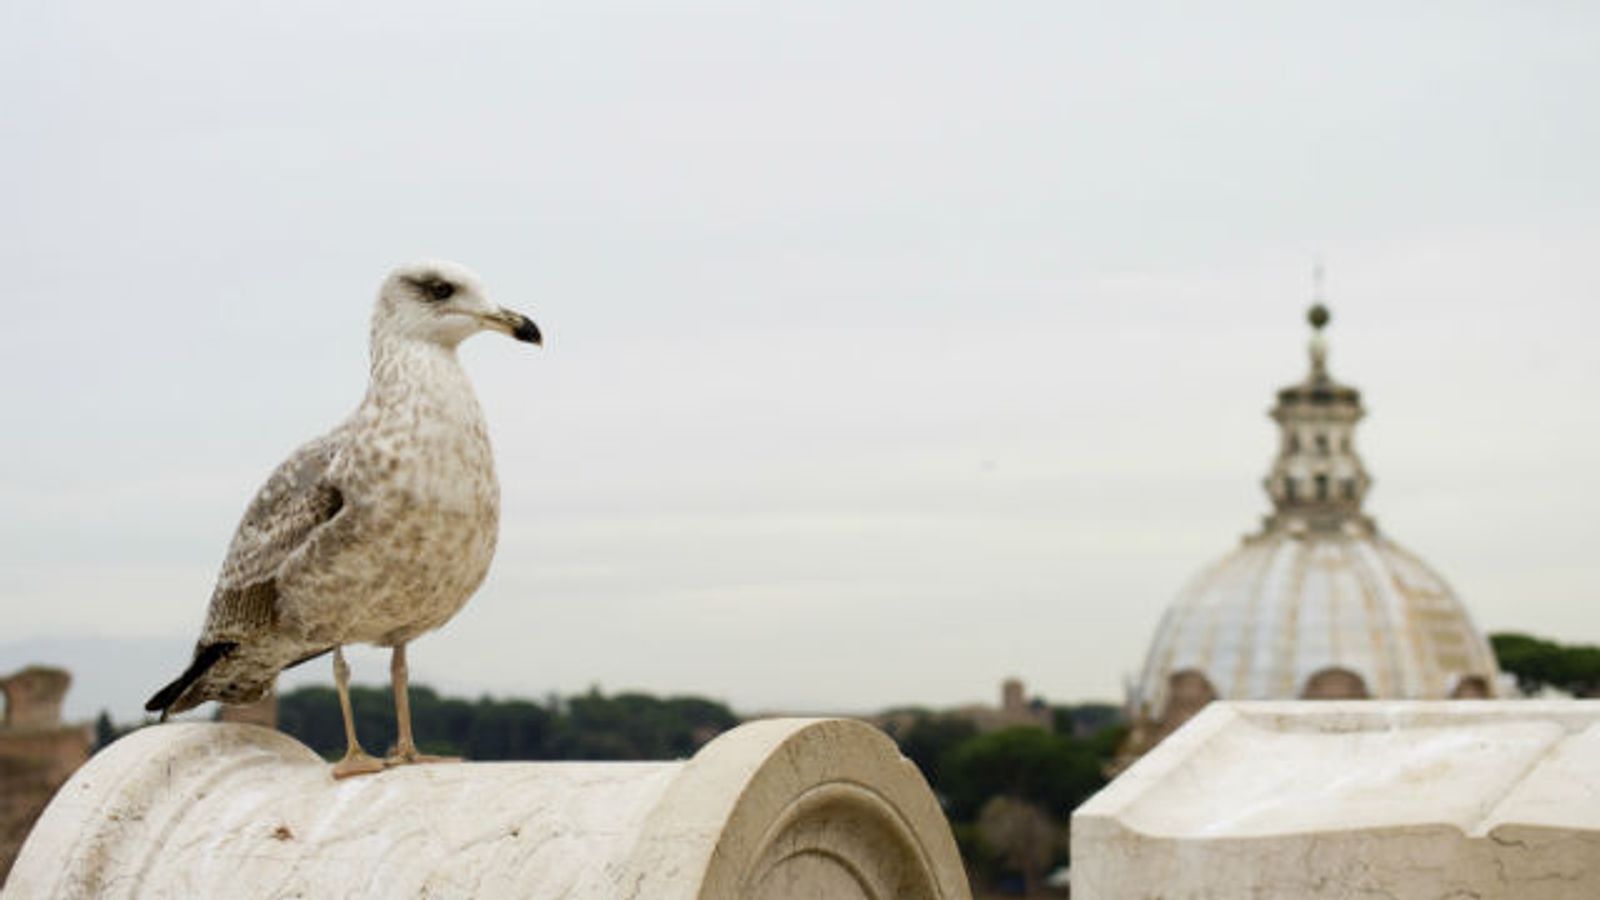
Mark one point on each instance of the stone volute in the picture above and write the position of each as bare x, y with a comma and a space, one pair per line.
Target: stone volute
781, 808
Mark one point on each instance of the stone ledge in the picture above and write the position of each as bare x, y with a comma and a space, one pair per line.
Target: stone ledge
783, 808
1490, 799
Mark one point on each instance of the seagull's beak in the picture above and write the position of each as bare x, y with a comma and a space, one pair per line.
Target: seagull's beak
515, 324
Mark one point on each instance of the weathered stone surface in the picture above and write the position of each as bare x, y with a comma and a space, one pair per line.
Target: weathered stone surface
1481, 799
783, 808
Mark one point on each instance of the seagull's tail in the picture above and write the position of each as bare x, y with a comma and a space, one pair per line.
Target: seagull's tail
204, 658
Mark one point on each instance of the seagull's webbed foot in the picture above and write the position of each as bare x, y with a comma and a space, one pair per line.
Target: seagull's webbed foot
412, 757
357, 762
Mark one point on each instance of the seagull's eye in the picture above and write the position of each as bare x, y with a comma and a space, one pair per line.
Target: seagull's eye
440, 290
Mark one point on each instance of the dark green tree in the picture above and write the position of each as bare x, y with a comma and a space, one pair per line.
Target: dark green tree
510, 729
311, 714
930, 738
1054, 772
636, 726
1539, 663
1085, 719
104, 731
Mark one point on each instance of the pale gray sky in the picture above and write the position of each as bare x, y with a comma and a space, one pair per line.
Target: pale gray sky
892, 349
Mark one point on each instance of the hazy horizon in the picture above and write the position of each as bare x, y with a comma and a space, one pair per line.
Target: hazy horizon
889, 354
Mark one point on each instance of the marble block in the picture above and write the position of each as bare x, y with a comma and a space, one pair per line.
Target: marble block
780, 809
1392, 799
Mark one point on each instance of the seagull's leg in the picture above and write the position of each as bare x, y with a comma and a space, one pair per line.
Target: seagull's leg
356, 761
405, 748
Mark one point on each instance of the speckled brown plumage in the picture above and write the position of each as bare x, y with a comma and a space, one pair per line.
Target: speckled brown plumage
378, 531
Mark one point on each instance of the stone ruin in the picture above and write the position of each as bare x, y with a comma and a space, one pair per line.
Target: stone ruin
37, 752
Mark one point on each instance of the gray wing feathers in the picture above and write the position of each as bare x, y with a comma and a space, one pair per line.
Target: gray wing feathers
297, 499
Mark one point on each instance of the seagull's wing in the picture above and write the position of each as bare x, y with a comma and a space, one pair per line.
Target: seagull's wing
298, 499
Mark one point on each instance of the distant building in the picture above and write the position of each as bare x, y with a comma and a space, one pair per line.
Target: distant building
1015, 710
1319, 603
37, 753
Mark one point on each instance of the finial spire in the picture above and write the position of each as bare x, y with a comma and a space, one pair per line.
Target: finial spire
1318, 316
1318, 480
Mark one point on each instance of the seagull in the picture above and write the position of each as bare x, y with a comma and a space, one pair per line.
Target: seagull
376, 532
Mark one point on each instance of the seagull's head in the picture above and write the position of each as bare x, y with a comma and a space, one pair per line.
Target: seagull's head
443, 303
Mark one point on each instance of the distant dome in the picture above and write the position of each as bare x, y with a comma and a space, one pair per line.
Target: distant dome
1266, 620
1319, 603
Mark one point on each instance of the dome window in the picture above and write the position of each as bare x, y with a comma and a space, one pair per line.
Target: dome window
1471, 687
1335, 683
1188, 692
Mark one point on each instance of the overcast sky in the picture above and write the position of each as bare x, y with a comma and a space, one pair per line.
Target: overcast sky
891, 349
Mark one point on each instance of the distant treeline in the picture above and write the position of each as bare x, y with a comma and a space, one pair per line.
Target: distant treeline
590, 726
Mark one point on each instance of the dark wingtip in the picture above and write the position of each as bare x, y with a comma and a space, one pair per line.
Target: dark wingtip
204, 658
160, 700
